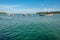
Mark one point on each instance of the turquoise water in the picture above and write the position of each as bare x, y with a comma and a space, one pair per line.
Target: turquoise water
34, 27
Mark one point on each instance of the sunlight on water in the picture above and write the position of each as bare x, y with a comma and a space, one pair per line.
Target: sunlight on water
34, 27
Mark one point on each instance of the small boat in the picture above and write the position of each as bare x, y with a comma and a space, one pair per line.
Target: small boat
10, 14
41, 15
50, 15
24, 14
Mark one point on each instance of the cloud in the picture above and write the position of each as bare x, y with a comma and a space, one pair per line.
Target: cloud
9, 8
17, 9
20, 9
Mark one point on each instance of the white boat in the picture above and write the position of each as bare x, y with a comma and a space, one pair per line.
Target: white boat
9, 14
50, 15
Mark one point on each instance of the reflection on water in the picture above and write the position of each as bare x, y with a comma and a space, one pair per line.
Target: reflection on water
34, 27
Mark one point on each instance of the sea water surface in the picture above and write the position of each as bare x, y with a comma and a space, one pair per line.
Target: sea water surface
28, 27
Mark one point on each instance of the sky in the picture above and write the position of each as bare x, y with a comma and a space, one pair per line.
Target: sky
29, 6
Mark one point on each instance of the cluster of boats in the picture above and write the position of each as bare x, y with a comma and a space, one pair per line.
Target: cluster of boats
32, 14
22, 14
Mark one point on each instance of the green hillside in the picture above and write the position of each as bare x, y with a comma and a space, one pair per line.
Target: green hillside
2, 13
56, 12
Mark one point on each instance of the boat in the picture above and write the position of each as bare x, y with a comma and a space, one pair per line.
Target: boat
50, 15
24, 14
9, 14
41, 15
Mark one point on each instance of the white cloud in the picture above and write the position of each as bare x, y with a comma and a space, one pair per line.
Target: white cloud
20, 9
9, 8
17, 9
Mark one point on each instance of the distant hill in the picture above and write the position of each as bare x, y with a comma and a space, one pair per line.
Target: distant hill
2, 13
56, 12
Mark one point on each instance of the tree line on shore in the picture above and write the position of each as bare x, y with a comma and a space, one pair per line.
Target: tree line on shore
55, 12
2, 13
